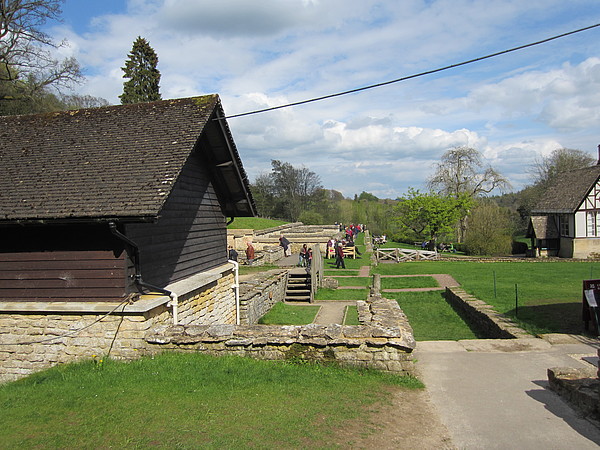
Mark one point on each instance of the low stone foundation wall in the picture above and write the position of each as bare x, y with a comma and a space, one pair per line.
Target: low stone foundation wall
38, 335
257, 296
580, 387
384, 343
483, 317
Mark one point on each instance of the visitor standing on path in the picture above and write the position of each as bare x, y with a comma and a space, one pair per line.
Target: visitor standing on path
302, 257
250, 253
339, 256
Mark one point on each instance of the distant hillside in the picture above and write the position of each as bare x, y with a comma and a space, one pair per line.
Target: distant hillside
254, 223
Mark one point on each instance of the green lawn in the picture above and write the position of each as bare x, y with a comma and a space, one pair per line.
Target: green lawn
351, 316
549, 292
341, 294
354, 281
431, 317
408, 282
254, 223
286, 314
176, 400
340, 272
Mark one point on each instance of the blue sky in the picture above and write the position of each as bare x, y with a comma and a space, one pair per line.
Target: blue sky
513, 109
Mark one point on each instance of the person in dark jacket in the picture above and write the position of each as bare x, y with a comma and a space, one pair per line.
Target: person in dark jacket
339, 256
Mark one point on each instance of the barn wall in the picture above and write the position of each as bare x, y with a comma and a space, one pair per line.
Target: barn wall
63, 276
190, 235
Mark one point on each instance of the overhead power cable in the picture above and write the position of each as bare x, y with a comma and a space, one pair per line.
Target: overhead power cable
409, 77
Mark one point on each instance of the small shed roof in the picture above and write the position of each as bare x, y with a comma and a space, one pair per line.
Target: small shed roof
542, 227
116, 162
568, 191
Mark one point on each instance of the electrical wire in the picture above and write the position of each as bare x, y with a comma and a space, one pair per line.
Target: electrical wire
409, 77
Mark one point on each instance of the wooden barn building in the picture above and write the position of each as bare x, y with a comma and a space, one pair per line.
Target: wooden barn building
114, 214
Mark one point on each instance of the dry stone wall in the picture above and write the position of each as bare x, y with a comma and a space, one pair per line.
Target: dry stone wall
483, 317
258, 295
385, 342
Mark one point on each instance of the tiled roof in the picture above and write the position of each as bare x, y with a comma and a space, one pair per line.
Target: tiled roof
568, 191
542, 227
112, 162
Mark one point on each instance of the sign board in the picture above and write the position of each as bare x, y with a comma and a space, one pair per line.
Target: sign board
591, 298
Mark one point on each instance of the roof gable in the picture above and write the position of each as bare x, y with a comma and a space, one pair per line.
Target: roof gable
568, 191
117, 162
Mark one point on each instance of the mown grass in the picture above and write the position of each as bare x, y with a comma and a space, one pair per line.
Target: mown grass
286, 314
254, 223
351, 316
341, 294
408, 282
354, 281
188, 401
549, 292
340, 272
431, 317
245, 270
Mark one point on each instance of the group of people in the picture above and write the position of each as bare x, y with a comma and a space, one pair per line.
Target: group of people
441, 247
334, 246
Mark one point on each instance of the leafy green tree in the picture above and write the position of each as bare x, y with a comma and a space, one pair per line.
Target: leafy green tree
490, 230
311, 218
431, 216
143, 76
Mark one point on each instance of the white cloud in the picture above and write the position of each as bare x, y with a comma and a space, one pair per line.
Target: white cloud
268, 53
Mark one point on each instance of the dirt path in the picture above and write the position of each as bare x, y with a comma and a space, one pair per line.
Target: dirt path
408, 421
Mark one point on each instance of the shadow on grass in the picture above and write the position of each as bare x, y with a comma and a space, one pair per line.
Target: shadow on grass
550, 318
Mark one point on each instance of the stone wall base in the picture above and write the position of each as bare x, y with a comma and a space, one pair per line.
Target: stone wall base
490, 323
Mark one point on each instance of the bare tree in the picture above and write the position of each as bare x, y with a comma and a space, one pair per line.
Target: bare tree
561, 160
461, 171
26, 59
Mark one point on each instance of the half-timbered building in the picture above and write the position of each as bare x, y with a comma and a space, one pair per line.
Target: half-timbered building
566, 221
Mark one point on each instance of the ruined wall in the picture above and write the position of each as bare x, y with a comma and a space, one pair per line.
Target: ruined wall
483, 317
257, 296
385, 342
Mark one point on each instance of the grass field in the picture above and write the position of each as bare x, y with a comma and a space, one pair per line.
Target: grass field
549, 293
351, 316
431, 317
176, 400
354, 281
286, 314
408, 283
341, 294
254, 223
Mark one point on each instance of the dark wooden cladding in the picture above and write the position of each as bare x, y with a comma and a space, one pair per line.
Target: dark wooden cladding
63, 276
190, 236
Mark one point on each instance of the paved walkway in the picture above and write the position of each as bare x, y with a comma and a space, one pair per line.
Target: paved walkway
492, 394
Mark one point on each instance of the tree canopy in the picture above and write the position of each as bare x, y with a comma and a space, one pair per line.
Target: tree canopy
430, 216
142, 73
27, 65
461, 171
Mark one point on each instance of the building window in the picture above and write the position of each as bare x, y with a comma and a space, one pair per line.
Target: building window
564, 225
591, 223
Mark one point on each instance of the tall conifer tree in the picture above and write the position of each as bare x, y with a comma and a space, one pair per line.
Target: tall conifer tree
143, 76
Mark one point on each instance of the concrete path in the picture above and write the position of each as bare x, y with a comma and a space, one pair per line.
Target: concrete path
492, 394
332, 312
